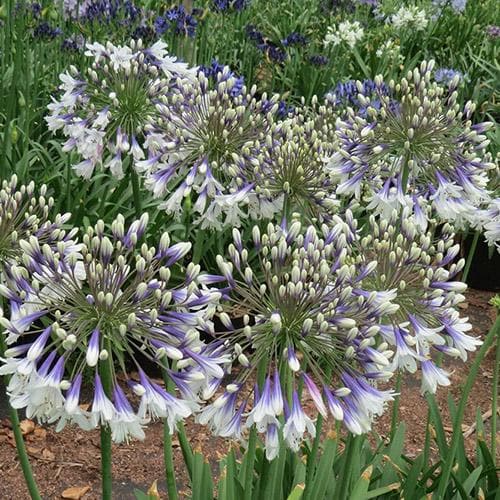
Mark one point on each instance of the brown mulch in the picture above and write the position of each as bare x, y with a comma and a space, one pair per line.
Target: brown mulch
69, 461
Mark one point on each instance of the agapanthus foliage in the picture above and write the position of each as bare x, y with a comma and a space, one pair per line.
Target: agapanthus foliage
419, 269
194, 147
415, 149
97, 312
104, 110
288, 169
306, 320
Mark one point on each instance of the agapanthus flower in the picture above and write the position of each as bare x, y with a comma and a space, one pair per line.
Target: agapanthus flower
112, 302
24, 213
192, 149
45, 31
318, 60
288, 169
217, 71
419, 270
458, 6
447, 75
295, 39
493, 31
274, 51
346, 94
105, 111
305, 321
346, 32
228, 5
177, 20
410, 17
488, 221
415, 148
124, 12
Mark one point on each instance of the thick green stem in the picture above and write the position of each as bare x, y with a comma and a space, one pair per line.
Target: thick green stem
105, 372
136, 191
252, 441
168, 452
395, 406
343, 481
494, 399
18, 436
470, 256
457, 424
168, 457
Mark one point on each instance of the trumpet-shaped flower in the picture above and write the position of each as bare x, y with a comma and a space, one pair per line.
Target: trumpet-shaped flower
307, 321
104, 309
415, 148
104, 111
419, 271
194, 148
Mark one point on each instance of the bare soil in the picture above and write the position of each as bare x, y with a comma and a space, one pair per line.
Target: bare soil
71, 459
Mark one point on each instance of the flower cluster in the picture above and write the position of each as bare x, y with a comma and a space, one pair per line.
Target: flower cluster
488, 221
346, 32
228, 5
346, 94
288, 170
177, 20
410, 17
457, 6
305, 320
194, 147
24, 213
107, 110
218, 71
414, 149
447, 75
272, 50
101, 307
419, 269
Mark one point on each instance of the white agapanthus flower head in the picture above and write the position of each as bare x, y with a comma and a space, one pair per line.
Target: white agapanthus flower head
410, 17
346, 32
104, 110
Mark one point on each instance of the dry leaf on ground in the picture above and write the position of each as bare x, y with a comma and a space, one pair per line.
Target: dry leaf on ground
75, 492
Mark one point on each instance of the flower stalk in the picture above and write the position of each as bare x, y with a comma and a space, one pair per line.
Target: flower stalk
106, 454
20, 446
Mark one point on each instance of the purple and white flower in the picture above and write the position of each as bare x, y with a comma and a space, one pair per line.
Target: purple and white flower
100, 305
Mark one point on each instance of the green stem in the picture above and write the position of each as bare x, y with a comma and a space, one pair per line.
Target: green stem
18, 437
494, 402
457, 433
346, 469
252, 441
136, 191
105, 372
168, 453
470, 256
311, 459
395, 406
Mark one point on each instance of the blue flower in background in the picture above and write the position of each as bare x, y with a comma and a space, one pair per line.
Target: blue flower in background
295, 39
456, 5
346, 94
318, 60
446, 75
45, 31
223, 5
216, 68
178, 21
